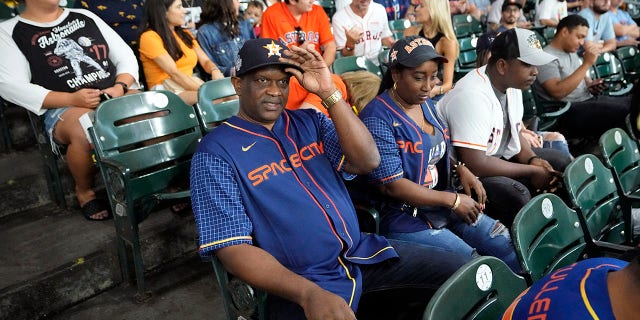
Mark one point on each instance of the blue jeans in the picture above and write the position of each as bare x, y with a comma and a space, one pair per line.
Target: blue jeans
459, 237
392, 287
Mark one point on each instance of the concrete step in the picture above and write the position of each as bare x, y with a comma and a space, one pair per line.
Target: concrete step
187, 290
53, 258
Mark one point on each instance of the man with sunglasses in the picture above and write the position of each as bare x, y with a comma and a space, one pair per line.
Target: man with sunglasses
297, 22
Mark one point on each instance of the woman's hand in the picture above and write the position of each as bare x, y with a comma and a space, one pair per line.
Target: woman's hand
468, 209
471, 183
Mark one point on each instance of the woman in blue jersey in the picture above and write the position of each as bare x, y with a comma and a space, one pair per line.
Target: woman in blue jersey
221, 32
418, 202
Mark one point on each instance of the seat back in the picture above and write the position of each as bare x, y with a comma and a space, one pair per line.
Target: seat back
329, 7
620, 153
630, 58
547, 235
399, 25
6, 12
383, 59
240, 300
464, 25
549, 33
593, 192
481, 289
467, 57
216, 103
609, 68
353, 63
152, 135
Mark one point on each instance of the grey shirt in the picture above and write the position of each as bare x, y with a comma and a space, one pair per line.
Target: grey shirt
562, 68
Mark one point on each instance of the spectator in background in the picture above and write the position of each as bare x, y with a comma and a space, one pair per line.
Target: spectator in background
550, 145
413, 186
550, 12
600, 37
597, 288
396, 9
362, 87
50, 67
123, 16
295, 234
298, 22
221, 32
435, 25
361, 29
511, 10
565, 79
624, 26
169, 53
484, 115
495, 15
253, 13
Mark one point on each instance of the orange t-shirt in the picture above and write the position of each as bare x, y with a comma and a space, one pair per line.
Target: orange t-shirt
277, 22
298, 95
151, 47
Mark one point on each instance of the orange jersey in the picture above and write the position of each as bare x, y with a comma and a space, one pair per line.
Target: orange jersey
277, 22
298, 95
151, 47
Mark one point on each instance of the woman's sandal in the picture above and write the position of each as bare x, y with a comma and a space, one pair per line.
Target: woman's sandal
95, 206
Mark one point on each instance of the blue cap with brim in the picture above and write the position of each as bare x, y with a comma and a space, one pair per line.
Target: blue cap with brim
259, 53
413, 51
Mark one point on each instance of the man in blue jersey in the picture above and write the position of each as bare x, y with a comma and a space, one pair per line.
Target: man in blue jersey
600, 288
270, 203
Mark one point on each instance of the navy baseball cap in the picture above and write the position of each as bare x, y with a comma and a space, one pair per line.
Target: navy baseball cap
413, 51
258, 53
484, 41
508, 3
520, 44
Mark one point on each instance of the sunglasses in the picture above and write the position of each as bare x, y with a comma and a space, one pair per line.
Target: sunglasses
300, 35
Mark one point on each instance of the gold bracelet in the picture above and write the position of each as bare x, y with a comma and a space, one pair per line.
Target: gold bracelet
456, 203
441, 90
332, 99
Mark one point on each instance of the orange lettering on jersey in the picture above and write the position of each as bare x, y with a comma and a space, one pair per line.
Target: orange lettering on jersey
263, 172
409, 147
539, 306
538, 317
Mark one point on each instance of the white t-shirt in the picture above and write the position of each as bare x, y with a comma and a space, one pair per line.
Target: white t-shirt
551, 9
374, 24
474, 115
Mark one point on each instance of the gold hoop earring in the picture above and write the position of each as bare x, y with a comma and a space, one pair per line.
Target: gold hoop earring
395, 86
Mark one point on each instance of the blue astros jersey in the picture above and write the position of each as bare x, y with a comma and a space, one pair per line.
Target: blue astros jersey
407, 152
578, 291
282, 190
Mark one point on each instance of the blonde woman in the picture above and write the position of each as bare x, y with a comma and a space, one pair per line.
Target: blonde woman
434, 18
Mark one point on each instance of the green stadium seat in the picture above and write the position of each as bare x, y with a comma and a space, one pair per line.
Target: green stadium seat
143, 146
609, 68
547, 236
353, 63
483, 288
466, 58
216, 103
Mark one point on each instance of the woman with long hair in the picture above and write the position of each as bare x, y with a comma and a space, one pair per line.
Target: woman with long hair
415, 193
221, 33
169, 52
434, 18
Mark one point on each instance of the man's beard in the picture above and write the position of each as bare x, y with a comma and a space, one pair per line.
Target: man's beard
599, 10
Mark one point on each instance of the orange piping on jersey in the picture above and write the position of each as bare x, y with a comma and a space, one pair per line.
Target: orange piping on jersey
585, 299
508, 314
469, 143
342, 160
373, 255
393, 176
210, 244
480, 74
353, 280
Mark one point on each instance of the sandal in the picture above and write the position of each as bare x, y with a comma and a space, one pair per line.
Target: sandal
95, 206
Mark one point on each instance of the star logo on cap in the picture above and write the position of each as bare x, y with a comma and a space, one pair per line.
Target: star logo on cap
274, 49
393, 55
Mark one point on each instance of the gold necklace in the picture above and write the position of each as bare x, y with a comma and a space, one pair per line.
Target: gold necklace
422, 124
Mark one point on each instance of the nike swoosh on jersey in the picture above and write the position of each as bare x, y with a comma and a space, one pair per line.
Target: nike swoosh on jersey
245, 149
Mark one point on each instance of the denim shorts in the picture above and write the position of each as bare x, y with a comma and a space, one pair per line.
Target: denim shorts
51, 118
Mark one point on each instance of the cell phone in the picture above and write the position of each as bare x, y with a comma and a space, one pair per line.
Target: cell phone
104, 96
